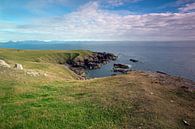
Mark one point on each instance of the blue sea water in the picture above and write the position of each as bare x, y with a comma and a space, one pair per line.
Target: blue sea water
174, 58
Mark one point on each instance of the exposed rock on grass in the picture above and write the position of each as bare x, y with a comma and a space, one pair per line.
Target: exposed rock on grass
33, 73
18, 66
186, 122
4, 64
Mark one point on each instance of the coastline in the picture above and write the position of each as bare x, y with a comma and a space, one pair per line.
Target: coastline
98, 59
167, 80
90, 62
173, 62
38, 82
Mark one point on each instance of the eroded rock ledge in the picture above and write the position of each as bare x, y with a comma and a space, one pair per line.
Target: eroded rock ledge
89, 62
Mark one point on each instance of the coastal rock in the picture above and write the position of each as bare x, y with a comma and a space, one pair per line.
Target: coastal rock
113, 74
18, 66
121, 70
160, 72
4, 64
122, 66
133, 60
78, 70
94, 61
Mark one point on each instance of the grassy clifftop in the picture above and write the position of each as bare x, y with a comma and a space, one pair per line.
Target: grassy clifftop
43, 56
48, 61
59, 100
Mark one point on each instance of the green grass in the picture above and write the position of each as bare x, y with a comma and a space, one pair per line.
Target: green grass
60, 101
50, 106
44, 60
54, 56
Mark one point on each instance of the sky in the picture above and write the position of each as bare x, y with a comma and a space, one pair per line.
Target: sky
97, 20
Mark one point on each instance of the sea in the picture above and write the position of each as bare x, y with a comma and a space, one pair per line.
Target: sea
172, 57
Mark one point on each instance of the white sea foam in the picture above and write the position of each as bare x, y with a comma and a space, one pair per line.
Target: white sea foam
130, 66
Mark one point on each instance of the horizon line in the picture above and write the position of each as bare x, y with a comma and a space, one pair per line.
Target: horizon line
95, 41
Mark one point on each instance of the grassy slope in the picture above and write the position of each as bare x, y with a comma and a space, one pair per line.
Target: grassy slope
60, 101
45, 61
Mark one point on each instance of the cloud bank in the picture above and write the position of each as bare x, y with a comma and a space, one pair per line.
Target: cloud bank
91, 22
188, 8
121, 2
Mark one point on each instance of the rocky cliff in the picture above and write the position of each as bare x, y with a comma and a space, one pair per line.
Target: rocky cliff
89, 62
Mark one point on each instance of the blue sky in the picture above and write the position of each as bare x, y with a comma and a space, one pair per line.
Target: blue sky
97, 20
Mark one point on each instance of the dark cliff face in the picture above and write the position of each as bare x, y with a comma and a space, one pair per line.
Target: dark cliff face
94, 61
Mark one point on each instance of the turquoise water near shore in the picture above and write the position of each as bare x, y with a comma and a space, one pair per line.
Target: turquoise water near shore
174, 58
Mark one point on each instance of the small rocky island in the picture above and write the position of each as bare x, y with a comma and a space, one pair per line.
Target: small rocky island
121, 68
89, 62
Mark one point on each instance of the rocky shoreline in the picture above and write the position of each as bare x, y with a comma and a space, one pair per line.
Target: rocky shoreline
89, 62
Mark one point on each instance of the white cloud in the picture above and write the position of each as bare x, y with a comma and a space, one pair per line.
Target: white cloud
115, 2
188, 8
92, 23
121, 2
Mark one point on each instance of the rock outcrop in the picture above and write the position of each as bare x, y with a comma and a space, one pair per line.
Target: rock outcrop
4, 64
18, 66
94, 61
133, 60
160, 72
33, 73
122, 68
